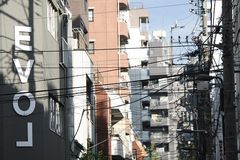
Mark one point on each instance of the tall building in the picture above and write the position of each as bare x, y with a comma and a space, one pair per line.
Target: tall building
32, 95
108, 34
138, 70
48, 80
164, 93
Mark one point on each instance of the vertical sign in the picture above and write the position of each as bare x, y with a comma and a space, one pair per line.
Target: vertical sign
22, 34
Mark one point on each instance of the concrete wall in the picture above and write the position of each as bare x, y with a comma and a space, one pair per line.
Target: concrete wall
81, 68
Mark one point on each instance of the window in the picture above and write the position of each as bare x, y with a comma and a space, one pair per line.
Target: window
144, 64
90, 97
146, 126
145, 84
55, 116
90, 15
91, 47
52, 19
144, 43
145, 104
155, 101
124, 69
143, 23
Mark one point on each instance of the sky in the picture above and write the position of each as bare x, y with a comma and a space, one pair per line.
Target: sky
165, 13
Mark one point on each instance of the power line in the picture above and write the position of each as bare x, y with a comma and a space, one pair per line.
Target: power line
56, 95
112, 107
104, 71
109, 49
115, 11
79, 87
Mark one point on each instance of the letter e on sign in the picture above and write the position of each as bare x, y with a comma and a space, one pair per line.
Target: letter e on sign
19, 36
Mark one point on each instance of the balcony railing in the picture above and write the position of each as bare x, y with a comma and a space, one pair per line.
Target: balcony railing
158, 135
159, 121
157, 104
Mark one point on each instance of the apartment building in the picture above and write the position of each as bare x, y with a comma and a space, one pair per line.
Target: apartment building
163, 93
138, 70
32, 94
108, 34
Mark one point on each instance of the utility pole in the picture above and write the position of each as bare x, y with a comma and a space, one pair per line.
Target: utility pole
230, 138
207, 109
204, 107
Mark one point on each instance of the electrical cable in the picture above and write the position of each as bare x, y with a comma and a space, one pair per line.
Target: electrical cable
132, 9
79, 124
106, 49
104, 71
114, 107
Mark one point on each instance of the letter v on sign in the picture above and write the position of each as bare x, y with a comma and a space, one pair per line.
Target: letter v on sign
23, 75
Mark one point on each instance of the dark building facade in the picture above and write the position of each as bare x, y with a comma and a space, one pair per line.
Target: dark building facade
32, 88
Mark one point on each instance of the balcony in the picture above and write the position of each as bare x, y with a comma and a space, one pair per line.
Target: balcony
79, 41
116, 116
117, 148
158, 87
157, 120
123, 4
157, 104
157, 135
78, 20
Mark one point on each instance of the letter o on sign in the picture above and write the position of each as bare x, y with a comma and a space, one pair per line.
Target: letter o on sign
30, 108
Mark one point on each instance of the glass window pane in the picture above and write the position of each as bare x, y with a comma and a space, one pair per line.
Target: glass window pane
91, 47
